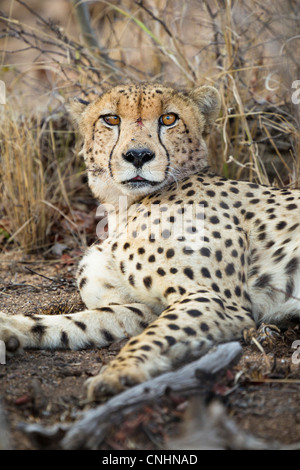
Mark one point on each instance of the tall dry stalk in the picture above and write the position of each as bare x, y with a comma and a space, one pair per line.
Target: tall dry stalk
23, 185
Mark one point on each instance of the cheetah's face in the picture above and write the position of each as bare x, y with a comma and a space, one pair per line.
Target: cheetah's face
139, 138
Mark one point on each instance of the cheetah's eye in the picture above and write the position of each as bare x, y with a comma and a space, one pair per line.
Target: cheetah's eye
112, 120
168, 119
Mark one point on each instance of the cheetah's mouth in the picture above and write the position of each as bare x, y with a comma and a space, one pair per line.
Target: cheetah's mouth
139, 182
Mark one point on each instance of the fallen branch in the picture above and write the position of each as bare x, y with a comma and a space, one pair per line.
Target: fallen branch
91, 429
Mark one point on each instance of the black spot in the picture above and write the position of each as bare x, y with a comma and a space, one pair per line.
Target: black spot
214, 219
135, 310
80, 325
218, 301
146, 347
169, 290
108, 336
227, 293
291, 207
187, 185
205, 272
291, 266
105, 309
215, 287
147, 282
122, 268
194, 313
189, 273
204, 327
191, 229
64, 339
262, 281
293, 227
230, 269
39, 329
131, 280
234, 190
201, 299
205, 252
289, 289
82, 282
171, 341
170, 253
237, 291
161, 272
171, 316
281, 225
189, 331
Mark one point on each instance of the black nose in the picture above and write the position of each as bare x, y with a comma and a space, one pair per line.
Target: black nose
138, 157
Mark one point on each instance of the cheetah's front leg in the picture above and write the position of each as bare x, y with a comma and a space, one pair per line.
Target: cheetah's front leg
98, 327
184, 331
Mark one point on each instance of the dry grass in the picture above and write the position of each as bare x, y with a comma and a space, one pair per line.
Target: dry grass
248, 50
23, 183
36, 164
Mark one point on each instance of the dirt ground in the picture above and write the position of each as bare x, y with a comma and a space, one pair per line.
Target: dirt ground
260, 394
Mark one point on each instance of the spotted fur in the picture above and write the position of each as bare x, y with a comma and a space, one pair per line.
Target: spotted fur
235, 263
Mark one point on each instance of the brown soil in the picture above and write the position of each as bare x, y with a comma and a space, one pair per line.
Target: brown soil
261, 394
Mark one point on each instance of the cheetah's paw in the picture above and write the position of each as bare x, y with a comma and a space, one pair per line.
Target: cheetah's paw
13, 338
111, 381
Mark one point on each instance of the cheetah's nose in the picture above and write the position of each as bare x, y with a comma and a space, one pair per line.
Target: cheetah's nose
138, 157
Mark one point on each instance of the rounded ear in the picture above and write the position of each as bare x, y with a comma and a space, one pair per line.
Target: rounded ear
208, 101
75, 107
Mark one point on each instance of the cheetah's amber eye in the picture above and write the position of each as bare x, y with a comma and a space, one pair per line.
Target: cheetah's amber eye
112, 120
168, 119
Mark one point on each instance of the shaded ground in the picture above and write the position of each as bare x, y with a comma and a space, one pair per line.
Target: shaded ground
261, 394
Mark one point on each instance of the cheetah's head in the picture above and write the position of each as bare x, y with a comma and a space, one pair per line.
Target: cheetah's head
138, 138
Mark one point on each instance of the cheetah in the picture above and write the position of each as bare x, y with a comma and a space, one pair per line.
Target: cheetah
193, 261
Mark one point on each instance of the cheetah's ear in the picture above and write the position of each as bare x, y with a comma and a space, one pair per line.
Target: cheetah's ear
76, 107
208, 100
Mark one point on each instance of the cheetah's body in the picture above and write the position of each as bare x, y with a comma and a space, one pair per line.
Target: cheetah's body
199, 259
